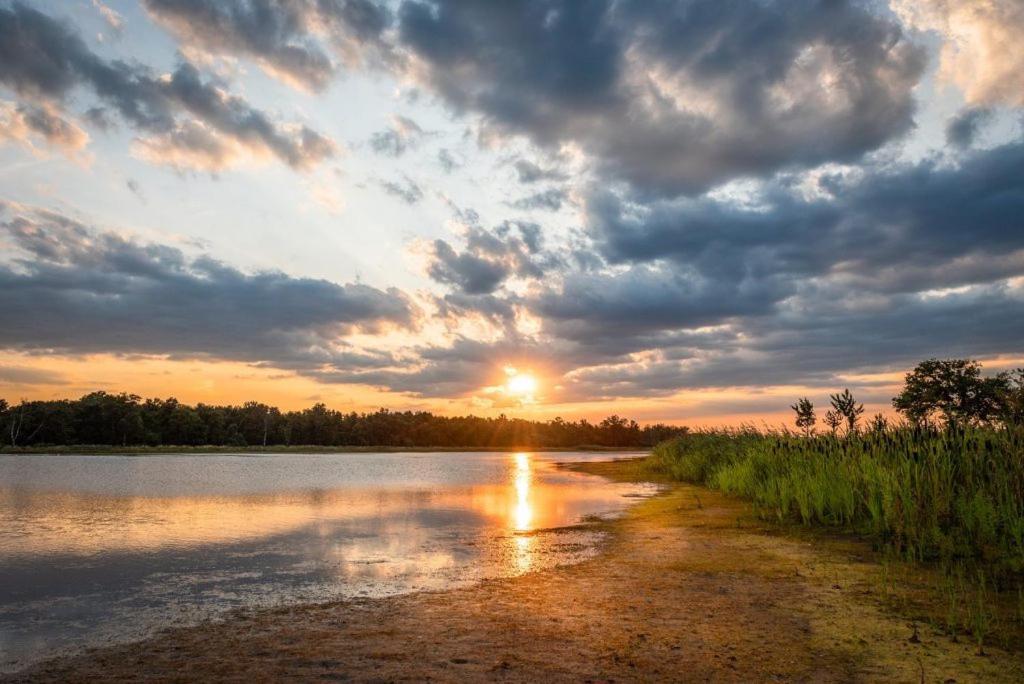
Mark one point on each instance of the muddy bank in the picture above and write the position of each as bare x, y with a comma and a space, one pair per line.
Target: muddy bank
689, 587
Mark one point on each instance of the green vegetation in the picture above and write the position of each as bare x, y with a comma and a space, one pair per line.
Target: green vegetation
950, 500
945, 488
926, 494
125, 421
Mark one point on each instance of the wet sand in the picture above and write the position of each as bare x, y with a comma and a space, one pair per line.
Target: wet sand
689, 587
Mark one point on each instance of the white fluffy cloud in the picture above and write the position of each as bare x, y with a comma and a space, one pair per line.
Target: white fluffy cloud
983, 45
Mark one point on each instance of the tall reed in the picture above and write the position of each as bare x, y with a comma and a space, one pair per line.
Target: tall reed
925, 494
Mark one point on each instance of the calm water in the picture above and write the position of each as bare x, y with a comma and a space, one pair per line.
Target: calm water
96, 549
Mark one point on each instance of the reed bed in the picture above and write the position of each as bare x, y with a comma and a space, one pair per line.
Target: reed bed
925, 494
950, 499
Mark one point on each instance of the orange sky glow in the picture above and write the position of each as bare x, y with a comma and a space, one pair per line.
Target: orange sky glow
212, 382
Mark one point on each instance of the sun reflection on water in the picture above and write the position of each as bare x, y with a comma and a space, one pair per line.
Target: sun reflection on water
523, 513
523, 509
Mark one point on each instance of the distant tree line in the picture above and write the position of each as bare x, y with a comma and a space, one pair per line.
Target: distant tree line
938, 392
101, 418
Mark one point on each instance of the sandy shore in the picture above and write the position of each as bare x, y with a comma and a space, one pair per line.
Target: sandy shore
689, 588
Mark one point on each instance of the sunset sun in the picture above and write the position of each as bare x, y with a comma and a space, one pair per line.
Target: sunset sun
522, 385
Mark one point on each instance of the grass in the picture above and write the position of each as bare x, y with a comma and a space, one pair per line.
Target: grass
953, 500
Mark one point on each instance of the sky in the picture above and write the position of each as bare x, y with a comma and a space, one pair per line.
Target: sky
680, 211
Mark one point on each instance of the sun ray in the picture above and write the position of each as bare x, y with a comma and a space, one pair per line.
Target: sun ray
521, 385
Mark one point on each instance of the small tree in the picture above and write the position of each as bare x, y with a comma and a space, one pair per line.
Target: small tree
1013, 398
18, 425
4, 409
879, 424
833, 420
954, 389
805, 418
848, 409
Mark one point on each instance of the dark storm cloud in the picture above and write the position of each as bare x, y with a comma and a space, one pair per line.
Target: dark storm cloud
824, 334
490, 258
72, 289
42, 57
470, 273
900, 228
284, 36
642, 299
963, 128
816, 345
457, 305
673, 96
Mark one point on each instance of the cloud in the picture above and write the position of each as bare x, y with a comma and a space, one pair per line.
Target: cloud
98, 117
458, 306
460, 369
22, 375
642, 299
289, 39
21, 123
233, 120
981, 51
672, 97
832, 338
867, 270
403, 134
824, 259
136, 189
528, 172
815, 344
70, 288
178, 113
192, 146
113, 18
447, 160
490, 258
963, 128
550, 200
471, 273
407, 190
897, 228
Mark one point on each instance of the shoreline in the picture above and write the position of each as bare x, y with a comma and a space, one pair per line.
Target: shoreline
102, 450
687, 586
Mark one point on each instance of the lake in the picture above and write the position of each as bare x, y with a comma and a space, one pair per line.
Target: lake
99, 549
